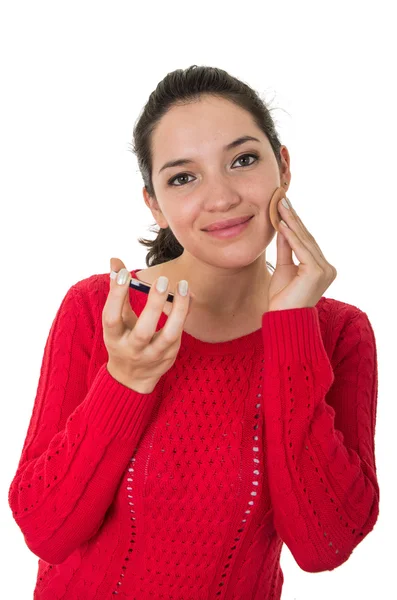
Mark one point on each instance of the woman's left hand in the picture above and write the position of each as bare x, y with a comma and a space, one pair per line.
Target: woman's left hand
299, 286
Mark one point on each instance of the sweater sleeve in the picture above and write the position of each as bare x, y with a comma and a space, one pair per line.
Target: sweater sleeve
79, 441
319, 428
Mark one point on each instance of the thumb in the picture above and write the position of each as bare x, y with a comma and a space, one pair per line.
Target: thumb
116, 264
129, 317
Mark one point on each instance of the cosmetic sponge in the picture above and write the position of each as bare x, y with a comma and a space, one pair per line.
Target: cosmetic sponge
275, 216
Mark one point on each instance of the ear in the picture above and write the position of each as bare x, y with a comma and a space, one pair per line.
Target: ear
152, 204
285, 171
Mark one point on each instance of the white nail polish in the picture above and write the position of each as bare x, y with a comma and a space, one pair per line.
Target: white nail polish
183, 287
162, 284
285, 203
122, 276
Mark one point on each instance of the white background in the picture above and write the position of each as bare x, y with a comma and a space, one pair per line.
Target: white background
74, 79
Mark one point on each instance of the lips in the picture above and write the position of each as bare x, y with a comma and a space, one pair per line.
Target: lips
227, 224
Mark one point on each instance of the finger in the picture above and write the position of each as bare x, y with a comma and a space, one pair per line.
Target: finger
112, 319
291, 218
146, 325
172, 330
303, 253
284, 250
128, 315
295, 224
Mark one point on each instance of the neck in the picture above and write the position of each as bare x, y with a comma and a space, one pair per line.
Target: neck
223, 292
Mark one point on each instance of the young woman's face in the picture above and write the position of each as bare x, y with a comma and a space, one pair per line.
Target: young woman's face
218, 184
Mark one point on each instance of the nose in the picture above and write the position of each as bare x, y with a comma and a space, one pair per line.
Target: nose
220, 194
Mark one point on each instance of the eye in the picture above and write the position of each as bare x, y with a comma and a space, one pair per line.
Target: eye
171, 181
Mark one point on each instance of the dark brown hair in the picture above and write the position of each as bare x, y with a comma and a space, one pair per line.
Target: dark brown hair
181, 87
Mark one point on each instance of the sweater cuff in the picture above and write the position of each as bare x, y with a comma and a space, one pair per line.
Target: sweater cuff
115, 410
293, 335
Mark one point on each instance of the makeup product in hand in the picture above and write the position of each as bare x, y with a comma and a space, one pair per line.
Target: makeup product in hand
145, 288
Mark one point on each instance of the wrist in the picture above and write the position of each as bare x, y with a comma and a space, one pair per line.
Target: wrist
140, 386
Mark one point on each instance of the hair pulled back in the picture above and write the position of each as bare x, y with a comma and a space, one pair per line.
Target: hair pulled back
178, 88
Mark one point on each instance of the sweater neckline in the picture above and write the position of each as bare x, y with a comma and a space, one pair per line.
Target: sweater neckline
243, 344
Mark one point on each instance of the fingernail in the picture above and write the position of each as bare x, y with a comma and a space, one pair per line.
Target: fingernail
183, 287
162, 284
286, 203
122, 276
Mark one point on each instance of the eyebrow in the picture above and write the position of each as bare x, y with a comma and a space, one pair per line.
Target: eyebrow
234, 144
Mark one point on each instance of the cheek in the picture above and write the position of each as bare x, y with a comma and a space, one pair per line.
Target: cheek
184, 217
182, 222
187, 211
259, 189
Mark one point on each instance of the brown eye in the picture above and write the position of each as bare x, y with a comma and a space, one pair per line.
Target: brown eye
244, 156
180, 175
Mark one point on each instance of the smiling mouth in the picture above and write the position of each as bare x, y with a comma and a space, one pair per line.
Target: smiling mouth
230, 232
229, 226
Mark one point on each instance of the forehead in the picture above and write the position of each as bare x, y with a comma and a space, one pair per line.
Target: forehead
206, 124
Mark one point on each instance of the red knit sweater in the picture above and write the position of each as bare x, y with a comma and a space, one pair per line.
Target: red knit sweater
189, 492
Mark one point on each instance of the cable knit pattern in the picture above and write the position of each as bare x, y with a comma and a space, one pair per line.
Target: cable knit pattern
188, 493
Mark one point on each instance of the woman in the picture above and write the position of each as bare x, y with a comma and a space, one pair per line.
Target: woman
173, 457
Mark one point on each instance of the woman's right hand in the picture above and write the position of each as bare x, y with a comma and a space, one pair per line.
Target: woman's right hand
138, 355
